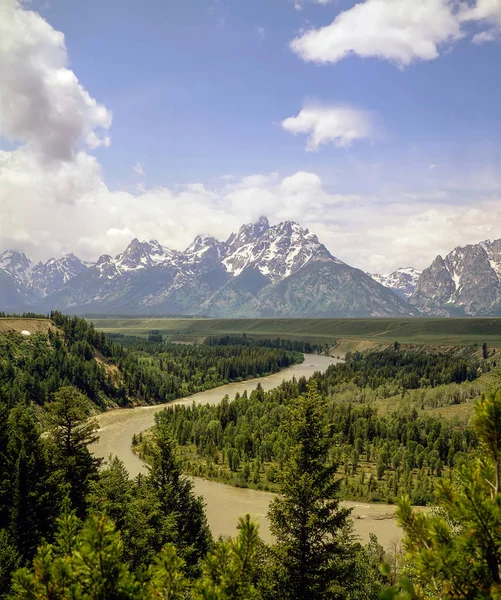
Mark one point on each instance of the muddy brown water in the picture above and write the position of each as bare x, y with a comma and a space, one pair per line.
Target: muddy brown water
224, 503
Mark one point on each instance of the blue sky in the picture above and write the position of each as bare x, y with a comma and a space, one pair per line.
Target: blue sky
200, 89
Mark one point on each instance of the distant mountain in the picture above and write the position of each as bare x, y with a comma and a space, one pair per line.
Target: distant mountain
466, 282
262, 270
46, 278
403, 281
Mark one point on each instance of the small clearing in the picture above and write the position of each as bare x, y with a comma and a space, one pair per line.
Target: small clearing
25, 325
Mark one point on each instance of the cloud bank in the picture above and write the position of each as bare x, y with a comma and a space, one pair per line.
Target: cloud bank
54, 199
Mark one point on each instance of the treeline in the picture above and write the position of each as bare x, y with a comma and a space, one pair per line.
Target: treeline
380, 455
119, 370
286, 344
407, 369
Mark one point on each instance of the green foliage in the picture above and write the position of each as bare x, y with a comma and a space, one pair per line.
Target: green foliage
313, 550
229, 569
119, 368
85, 563
456, 552
243, 340
381, 456
70, 433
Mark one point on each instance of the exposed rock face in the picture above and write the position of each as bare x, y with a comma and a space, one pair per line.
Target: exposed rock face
261, 270
466, 282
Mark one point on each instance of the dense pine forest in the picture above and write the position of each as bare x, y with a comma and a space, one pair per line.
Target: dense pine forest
74, 528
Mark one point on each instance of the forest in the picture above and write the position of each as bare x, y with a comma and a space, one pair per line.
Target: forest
123, 371
72, 527
380, 455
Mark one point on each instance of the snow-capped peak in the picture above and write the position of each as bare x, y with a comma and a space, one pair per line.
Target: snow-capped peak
204, 250
276, 252
50, 276
403, 281
248, 233
139, 255
16, 264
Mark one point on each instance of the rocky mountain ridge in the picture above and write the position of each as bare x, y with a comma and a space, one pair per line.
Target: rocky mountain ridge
262, 270
466, 282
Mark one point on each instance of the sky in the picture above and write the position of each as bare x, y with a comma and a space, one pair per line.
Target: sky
375, 124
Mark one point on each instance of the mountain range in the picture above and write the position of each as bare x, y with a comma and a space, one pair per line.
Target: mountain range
260, 271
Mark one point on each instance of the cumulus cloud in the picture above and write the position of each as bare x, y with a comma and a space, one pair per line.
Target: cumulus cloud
42, 103
374, 232
339, 125
401, 31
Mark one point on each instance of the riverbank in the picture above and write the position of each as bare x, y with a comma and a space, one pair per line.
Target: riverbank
224, 503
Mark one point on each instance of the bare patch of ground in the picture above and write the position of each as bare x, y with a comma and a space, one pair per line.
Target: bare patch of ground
31, 325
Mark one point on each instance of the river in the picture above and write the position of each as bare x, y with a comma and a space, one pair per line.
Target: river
226, 503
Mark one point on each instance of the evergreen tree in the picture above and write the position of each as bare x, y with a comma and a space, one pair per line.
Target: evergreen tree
313, 552
34, 490
71, 433
229, 569
189, 529
455, 552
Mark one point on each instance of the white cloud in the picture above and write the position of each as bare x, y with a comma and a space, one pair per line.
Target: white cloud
490, 35
340, 125
482, 10
42, 103
401, 31
260, 32
487, 12
398, 30
50, 206
138, 169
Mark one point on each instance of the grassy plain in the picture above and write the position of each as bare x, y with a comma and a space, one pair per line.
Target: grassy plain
423, 331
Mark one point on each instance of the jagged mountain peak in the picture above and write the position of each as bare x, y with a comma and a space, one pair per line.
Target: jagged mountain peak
262, 270
402, 281
16, 264
248, 233
277, 252
48, 277
467, 281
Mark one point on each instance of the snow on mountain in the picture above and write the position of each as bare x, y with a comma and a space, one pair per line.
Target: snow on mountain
203, 251
48, 277
467, 281
275, 252
403, 281
140, 255
261, 270
16, 264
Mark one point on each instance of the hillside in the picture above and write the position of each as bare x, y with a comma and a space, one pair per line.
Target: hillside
122, 372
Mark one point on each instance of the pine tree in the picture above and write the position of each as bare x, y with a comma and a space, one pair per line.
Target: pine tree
189, 529
71, 433
229, 570
314, 550
455, 551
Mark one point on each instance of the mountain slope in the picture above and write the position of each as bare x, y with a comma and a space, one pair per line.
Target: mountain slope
281, 270
466, 282
329, 288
